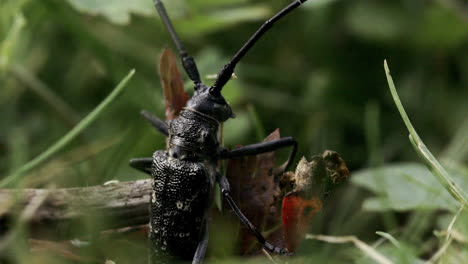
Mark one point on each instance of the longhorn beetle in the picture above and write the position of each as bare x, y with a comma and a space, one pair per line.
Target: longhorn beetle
185, 173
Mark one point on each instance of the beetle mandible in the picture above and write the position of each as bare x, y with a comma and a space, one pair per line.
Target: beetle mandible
185, 173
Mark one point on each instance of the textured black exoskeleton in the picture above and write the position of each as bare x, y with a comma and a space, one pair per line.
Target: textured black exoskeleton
185, 173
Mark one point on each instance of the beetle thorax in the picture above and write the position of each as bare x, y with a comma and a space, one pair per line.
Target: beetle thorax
193, 135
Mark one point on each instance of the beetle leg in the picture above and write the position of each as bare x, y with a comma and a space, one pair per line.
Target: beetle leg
202, 246
157, 123
263, 147
225, 189
142, 164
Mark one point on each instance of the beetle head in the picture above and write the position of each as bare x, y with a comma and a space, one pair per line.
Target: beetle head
211, 102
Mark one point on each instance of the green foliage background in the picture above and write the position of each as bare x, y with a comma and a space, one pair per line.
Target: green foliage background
317, 75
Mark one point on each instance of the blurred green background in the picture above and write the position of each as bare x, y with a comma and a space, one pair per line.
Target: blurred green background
317, 75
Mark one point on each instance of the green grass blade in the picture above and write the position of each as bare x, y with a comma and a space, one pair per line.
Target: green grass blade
389, 237
8, 44
67, 138
431, 162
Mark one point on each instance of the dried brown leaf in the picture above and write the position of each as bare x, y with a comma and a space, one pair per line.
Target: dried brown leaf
175, 96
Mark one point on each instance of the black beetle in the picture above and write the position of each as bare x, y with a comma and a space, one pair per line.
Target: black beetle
185, 173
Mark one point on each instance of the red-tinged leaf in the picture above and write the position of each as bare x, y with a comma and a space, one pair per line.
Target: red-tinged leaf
255, 190
297, 214
313, 181
264, 189
173, 87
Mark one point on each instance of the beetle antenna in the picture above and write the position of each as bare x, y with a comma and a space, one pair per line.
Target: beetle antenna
187, 62
227, 70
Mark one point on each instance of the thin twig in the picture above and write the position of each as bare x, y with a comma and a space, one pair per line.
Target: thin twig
268, 255
27, 214
33, 207
368, 250
448, 238
118, 205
